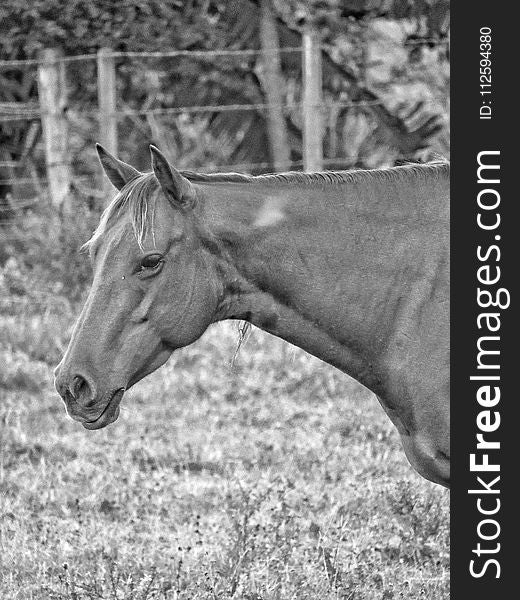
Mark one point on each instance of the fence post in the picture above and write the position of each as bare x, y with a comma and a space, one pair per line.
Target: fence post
272, 82
312, 99
106, 84
52, 93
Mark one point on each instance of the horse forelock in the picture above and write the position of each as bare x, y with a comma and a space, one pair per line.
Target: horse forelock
136, 197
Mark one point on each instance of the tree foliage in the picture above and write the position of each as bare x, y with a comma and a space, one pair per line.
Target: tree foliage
398, 119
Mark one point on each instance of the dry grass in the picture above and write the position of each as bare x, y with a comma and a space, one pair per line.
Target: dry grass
278, 478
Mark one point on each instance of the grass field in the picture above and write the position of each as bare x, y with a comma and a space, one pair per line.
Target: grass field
275, 478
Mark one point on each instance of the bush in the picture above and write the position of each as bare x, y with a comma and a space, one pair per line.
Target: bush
41, 258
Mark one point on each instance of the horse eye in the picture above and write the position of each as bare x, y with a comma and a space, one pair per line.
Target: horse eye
151, 261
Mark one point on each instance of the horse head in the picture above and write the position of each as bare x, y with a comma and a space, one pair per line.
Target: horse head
154, 289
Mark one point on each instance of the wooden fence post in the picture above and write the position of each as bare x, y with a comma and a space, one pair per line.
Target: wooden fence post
52, 92
312, 99
107, 96
272, 82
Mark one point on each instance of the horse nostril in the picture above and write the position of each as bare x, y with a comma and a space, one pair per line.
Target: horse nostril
82, 391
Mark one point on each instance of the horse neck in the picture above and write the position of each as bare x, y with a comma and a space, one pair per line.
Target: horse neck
320, 266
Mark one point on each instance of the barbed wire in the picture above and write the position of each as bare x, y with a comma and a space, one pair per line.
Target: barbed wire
152, 54
240, 107
208, 53
27, 62
22, 62
178, 110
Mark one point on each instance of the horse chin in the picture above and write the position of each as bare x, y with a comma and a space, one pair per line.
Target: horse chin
146, 370
109, 415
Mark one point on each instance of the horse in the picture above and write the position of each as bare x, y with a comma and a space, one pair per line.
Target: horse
351, 266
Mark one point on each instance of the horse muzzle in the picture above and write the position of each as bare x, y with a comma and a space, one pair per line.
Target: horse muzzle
93, 411
108, 414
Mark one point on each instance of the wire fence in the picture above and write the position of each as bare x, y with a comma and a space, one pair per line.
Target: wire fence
205, 54
179, 110
63, 114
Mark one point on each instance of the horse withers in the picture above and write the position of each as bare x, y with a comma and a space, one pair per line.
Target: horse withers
353, 267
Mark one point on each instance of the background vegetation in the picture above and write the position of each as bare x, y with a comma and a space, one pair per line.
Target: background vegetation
274, 478
389, 59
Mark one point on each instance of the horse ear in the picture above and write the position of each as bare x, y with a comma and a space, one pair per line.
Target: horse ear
116, 170
176, 188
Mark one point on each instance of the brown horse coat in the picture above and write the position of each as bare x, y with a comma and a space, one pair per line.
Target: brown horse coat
353, 267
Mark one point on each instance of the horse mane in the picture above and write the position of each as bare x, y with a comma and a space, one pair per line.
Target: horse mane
411, 170
136, 195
